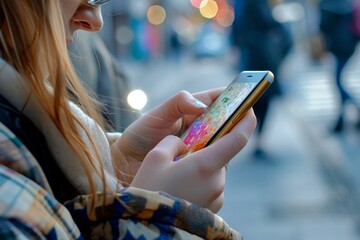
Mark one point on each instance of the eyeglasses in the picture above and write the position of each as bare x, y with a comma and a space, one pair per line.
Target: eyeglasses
96, 3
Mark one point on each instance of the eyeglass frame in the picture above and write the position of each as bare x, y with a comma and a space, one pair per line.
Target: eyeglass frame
96, 3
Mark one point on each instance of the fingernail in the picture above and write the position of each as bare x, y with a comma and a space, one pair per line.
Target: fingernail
199, 104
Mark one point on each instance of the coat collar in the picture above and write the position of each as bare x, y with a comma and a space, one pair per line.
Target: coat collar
18, 93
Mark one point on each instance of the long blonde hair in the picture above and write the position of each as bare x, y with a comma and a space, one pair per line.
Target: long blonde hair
37, 50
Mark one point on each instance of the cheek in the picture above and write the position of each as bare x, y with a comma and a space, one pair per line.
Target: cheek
69, 8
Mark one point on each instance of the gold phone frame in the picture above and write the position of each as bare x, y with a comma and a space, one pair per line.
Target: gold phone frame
257, 92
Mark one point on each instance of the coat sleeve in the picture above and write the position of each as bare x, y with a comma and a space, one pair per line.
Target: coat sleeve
135, 213
29, 210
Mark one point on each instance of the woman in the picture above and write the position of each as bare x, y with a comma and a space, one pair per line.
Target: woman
128, 184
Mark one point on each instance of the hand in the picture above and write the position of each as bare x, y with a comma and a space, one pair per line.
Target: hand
170, 118
199, 177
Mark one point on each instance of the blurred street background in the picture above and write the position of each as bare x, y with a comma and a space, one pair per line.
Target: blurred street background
307, 184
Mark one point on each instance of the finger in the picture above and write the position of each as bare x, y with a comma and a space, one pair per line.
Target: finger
223, 150
209, 96
247, 124
166, 150
216, 205
183, 103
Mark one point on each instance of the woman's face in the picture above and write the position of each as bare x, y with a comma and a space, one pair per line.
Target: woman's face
80, 16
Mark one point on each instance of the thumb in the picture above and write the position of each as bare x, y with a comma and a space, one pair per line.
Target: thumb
166, 150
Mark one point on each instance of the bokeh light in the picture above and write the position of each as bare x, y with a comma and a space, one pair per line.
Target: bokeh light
225, 16
124, 35
156, 14
196, 3
208, 8
288, 12
137, 99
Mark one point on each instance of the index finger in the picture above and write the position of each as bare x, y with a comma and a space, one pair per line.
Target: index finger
209, 96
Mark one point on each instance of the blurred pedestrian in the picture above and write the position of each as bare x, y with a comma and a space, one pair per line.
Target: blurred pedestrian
337, 27
263, 43
175, 46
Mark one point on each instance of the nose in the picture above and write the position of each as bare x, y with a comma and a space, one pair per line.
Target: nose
88, 18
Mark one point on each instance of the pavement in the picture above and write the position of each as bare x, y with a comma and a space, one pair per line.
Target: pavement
308, 187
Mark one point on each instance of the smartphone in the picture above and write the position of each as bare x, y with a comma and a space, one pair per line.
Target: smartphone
227, 110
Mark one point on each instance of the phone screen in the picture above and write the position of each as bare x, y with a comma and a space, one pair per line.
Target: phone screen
201, 131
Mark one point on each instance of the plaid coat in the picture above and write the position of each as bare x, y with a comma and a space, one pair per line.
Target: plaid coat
28, 209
